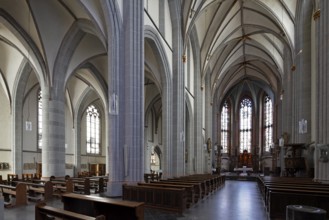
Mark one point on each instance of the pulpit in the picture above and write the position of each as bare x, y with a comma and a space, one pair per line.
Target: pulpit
294, 161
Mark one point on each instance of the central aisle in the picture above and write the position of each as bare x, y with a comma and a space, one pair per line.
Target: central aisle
236, 200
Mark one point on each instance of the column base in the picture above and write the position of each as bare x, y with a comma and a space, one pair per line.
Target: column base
114, 189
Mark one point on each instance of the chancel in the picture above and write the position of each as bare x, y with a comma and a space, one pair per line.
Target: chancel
134, 109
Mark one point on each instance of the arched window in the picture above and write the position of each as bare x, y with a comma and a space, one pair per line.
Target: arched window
40, 119
268, 123
93, 130
245, 125
225, 127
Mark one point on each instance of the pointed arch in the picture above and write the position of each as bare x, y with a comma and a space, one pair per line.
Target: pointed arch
152, 37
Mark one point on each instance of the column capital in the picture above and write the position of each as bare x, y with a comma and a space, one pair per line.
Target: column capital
316, 15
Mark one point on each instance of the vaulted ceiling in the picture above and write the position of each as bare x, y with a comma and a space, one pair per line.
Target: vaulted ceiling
238, 39
241, 39
55, 33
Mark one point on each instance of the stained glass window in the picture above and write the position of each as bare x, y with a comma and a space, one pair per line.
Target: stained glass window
245, 125
268, 123
93, 130
225, 127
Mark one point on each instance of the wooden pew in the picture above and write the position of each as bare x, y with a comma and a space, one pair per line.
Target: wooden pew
45, 189
197, 187
150, 177
98, 183
88, 185
113, 209
18, 191
35, 189
280, 192
301, 186
203, 183
216, 180
27, 177
81, 185
37, 176
42, 211
279, 198
212, 181
169, 199
11, 177
188, 188
62, 186
265, 183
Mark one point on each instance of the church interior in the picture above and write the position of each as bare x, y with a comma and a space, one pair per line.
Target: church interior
175, 100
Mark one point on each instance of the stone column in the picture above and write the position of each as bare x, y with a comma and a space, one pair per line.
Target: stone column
133, 110
53, 134
125, 153
302, 75
197, 153
77, 143
178, 105
322, 81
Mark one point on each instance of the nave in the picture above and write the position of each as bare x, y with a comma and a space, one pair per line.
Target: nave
236, 200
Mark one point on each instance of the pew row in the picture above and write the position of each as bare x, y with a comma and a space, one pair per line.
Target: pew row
42, 211
87, 185
188, 188
169, 199
198, 192
14, 195
280, 192
111, 208
62, 186
35, 189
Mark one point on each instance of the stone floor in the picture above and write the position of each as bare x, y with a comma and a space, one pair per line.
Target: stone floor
236, 200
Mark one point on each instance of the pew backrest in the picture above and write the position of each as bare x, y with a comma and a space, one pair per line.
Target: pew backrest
42, 211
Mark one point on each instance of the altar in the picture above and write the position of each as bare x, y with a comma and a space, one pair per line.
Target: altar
243, 170
245, 159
